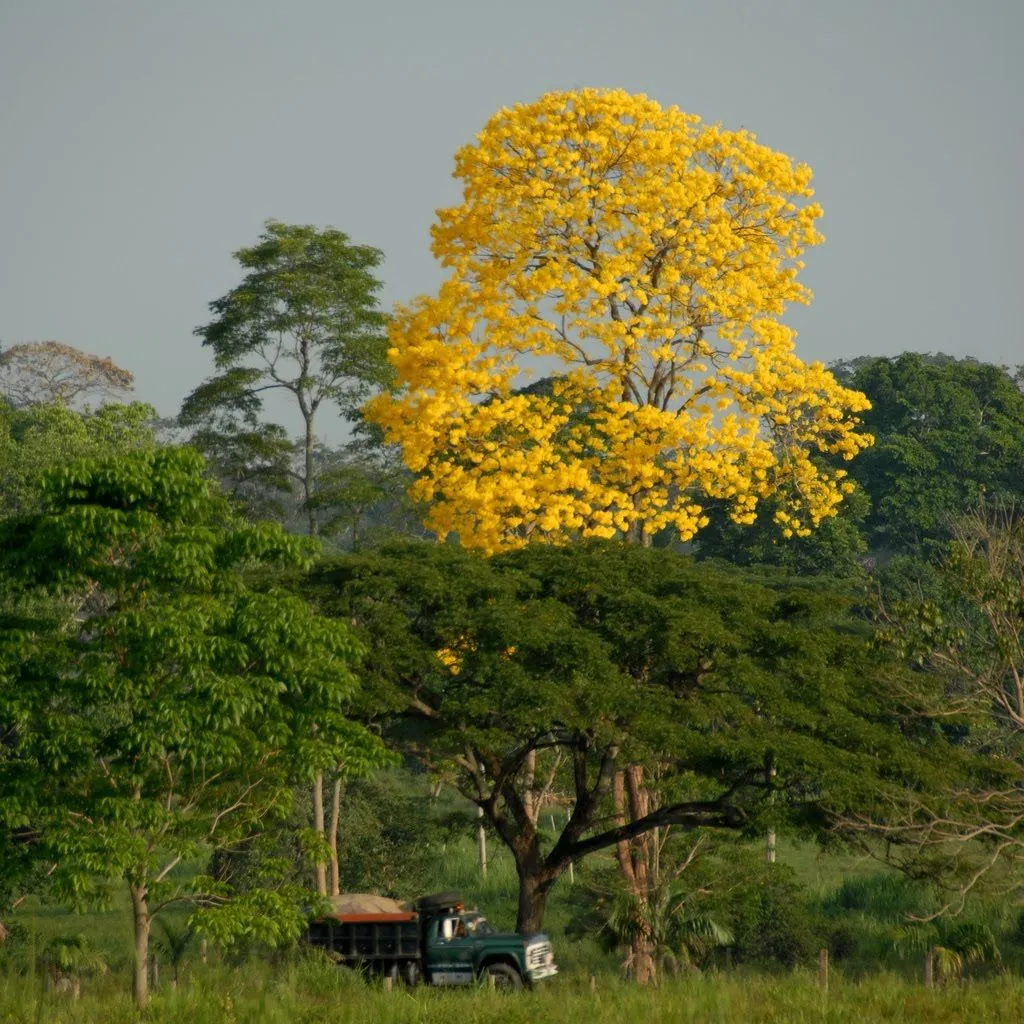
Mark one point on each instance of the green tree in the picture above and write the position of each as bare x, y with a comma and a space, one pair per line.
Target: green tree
171, 707
304, 322
946, 430
837, 548
41, 437
363, 491
583, 661
665, 921
973, 641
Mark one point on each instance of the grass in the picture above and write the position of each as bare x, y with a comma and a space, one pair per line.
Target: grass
297, 989
306, 992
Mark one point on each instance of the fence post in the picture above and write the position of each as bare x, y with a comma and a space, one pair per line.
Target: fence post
481, 838
929, 968
389, 983
823, 968
593, 983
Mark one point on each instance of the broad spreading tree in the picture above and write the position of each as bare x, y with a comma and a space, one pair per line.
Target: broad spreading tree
570, 665
154, 707
41, 372
645, 260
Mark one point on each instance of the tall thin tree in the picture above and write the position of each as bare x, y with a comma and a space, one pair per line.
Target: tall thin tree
303, 323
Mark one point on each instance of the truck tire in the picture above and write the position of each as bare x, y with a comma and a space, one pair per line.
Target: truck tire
505, 976
411, 974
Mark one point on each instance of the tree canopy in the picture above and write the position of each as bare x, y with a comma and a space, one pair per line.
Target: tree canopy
41, 437
152, 705
579, 661
650, 258
946, 431
41, 372
304, 322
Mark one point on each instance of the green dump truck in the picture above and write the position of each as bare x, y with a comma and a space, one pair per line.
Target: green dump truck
436, 941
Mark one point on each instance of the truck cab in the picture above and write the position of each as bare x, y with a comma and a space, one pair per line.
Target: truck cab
461, 946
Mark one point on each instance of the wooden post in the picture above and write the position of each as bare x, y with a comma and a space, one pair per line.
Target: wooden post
202, 951
492, 982
593, 983
389, 983
929, 968
154, 970
482, 841
823, 968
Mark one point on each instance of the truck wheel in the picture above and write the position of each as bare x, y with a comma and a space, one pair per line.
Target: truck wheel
504, 976
411, 975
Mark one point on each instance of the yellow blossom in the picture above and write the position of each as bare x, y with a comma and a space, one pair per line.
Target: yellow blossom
650, 257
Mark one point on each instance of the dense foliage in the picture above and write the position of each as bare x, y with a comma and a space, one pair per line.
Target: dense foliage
153, 705
579, 661
650, 257
654, 737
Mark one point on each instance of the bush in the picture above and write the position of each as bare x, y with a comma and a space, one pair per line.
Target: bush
883, 896
773, 924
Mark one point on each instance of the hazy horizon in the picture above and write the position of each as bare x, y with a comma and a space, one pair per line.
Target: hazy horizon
146, 142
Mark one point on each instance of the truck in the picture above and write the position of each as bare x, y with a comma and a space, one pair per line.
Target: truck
434, 941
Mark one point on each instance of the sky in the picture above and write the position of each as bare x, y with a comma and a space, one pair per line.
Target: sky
144, 141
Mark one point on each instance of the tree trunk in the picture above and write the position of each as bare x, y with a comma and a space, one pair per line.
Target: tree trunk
530, 797
140, 977
313, 527
534, 889
318, 824
637, 863
641, 961
332, 837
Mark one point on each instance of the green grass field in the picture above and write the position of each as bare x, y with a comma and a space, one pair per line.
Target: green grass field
299, 993
293, 987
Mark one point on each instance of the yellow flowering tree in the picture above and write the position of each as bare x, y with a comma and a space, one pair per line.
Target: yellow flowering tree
643, 259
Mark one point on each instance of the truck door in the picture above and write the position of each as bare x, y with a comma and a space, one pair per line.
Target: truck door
449, 959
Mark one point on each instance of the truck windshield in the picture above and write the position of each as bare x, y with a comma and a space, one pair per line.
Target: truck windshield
477, 924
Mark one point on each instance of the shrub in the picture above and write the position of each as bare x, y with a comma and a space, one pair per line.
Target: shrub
773, 924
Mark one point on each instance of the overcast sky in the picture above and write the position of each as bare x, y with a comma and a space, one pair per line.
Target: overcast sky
145, 140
